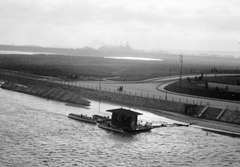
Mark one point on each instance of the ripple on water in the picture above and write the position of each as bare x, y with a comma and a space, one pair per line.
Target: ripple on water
32, 134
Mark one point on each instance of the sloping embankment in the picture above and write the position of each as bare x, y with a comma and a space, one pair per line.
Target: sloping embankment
49, 93
231, 116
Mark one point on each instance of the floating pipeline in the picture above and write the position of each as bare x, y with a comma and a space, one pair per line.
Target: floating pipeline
49, 93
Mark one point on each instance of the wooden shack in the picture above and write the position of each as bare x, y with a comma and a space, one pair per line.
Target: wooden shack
124, 118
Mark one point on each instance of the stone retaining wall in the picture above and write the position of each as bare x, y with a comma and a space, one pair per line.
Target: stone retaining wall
49, 93
231, 116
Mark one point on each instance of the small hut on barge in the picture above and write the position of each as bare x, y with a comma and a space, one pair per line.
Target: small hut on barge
124, 120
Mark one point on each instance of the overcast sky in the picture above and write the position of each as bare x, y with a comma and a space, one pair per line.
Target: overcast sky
144, 24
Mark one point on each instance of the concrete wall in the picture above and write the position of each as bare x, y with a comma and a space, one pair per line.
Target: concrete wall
49, 93
231, 116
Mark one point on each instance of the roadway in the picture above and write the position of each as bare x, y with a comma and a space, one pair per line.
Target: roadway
151, 88
154, 88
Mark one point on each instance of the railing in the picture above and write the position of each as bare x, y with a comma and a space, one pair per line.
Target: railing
167, 96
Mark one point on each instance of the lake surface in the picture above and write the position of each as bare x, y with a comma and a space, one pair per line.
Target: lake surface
36, 132
134, 58
19, 52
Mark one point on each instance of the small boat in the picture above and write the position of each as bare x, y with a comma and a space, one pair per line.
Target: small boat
83, 118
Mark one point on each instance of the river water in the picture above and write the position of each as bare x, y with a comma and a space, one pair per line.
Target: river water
36, 132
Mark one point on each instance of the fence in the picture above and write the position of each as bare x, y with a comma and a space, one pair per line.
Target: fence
167, 96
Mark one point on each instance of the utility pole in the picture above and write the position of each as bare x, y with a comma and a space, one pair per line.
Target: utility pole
100, 83
166, 95
181, 61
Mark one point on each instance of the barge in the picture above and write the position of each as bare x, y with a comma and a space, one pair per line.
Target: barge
124, 121
83, 118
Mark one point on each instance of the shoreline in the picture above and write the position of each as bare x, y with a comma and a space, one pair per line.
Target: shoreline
218, 127
223, 128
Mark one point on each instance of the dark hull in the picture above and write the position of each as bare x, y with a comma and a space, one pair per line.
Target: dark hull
82, 118
120, 130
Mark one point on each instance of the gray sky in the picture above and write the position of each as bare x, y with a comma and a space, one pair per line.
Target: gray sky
144, 24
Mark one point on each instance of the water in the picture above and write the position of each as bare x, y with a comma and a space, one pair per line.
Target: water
135, 58
20, 52
37, 132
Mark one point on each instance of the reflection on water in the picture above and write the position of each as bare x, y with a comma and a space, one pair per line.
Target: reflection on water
19, 52
134, 58
37, 132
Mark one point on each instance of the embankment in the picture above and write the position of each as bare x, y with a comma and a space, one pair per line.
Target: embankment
47, 92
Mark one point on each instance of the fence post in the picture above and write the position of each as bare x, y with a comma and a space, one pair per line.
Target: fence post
179, 100
186, 101
193, 101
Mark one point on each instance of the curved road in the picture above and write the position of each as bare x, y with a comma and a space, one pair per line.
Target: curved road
151, 88
154, 88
